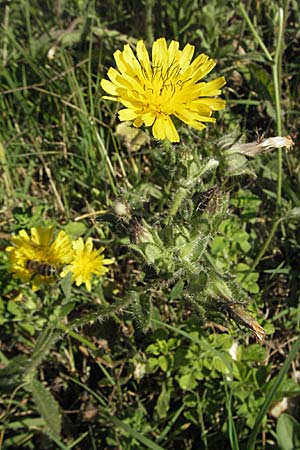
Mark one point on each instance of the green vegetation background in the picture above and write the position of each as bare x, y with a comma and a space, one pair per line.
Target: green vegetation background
188, 382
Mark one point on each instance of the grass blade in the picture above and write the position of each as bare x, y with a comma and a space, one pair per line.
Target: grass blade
283, 371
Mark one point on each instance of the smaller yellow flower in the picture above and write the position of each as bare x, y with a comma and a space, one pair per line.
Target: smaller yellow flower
38, 256
86, 262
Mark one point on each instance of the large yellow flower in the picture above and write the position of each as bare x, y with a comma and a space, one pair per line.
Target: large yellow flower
152, 91
39, 257
86, 262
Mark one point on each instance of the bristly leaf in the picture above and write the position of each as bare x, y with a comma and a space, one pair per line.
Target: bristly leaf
141, 308
44, 343
66, 285
11, 375
100, 313
47, 406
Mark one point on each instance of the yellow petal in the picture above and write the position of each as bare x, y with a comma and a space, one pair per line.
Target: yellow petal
149, 118
143, 57
107, 97
119, 61
109, 87
159, 51
186, 56
212, 87
130, 59
138, 122
163, 128
216, 104
126, 114
173, 52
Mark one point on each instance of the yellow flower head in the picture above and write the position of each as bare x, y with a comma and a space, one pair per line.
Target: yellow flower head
38, 257
86, 262
152, 91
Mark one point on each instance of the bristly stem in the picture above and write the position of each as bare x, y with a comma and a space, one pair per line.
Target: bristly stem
276, 70
179, 197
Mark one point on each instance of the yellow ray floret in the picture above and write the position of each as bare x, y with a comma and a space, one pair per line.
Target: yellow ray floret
86, 262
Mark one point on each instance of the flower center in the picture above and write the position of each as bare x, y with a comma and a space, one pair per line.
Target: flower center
161, 90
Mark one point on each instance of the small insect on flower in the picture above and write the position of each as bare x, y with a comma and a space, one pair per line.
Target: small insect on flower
37, 257
41, 268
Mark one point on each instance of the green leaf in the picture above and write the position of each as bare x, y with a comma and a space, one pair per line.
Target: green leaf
294, 213
15, 309
187, 381
262, 82
66, 285
141, 308
163, 363
44, 343
232, 432
209, 165
219, 365
133, 432
47, 406
75, 229
11, 375
288, 432
176, 291
25, 422
163, 401
243, 243
62, 311
152, 252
